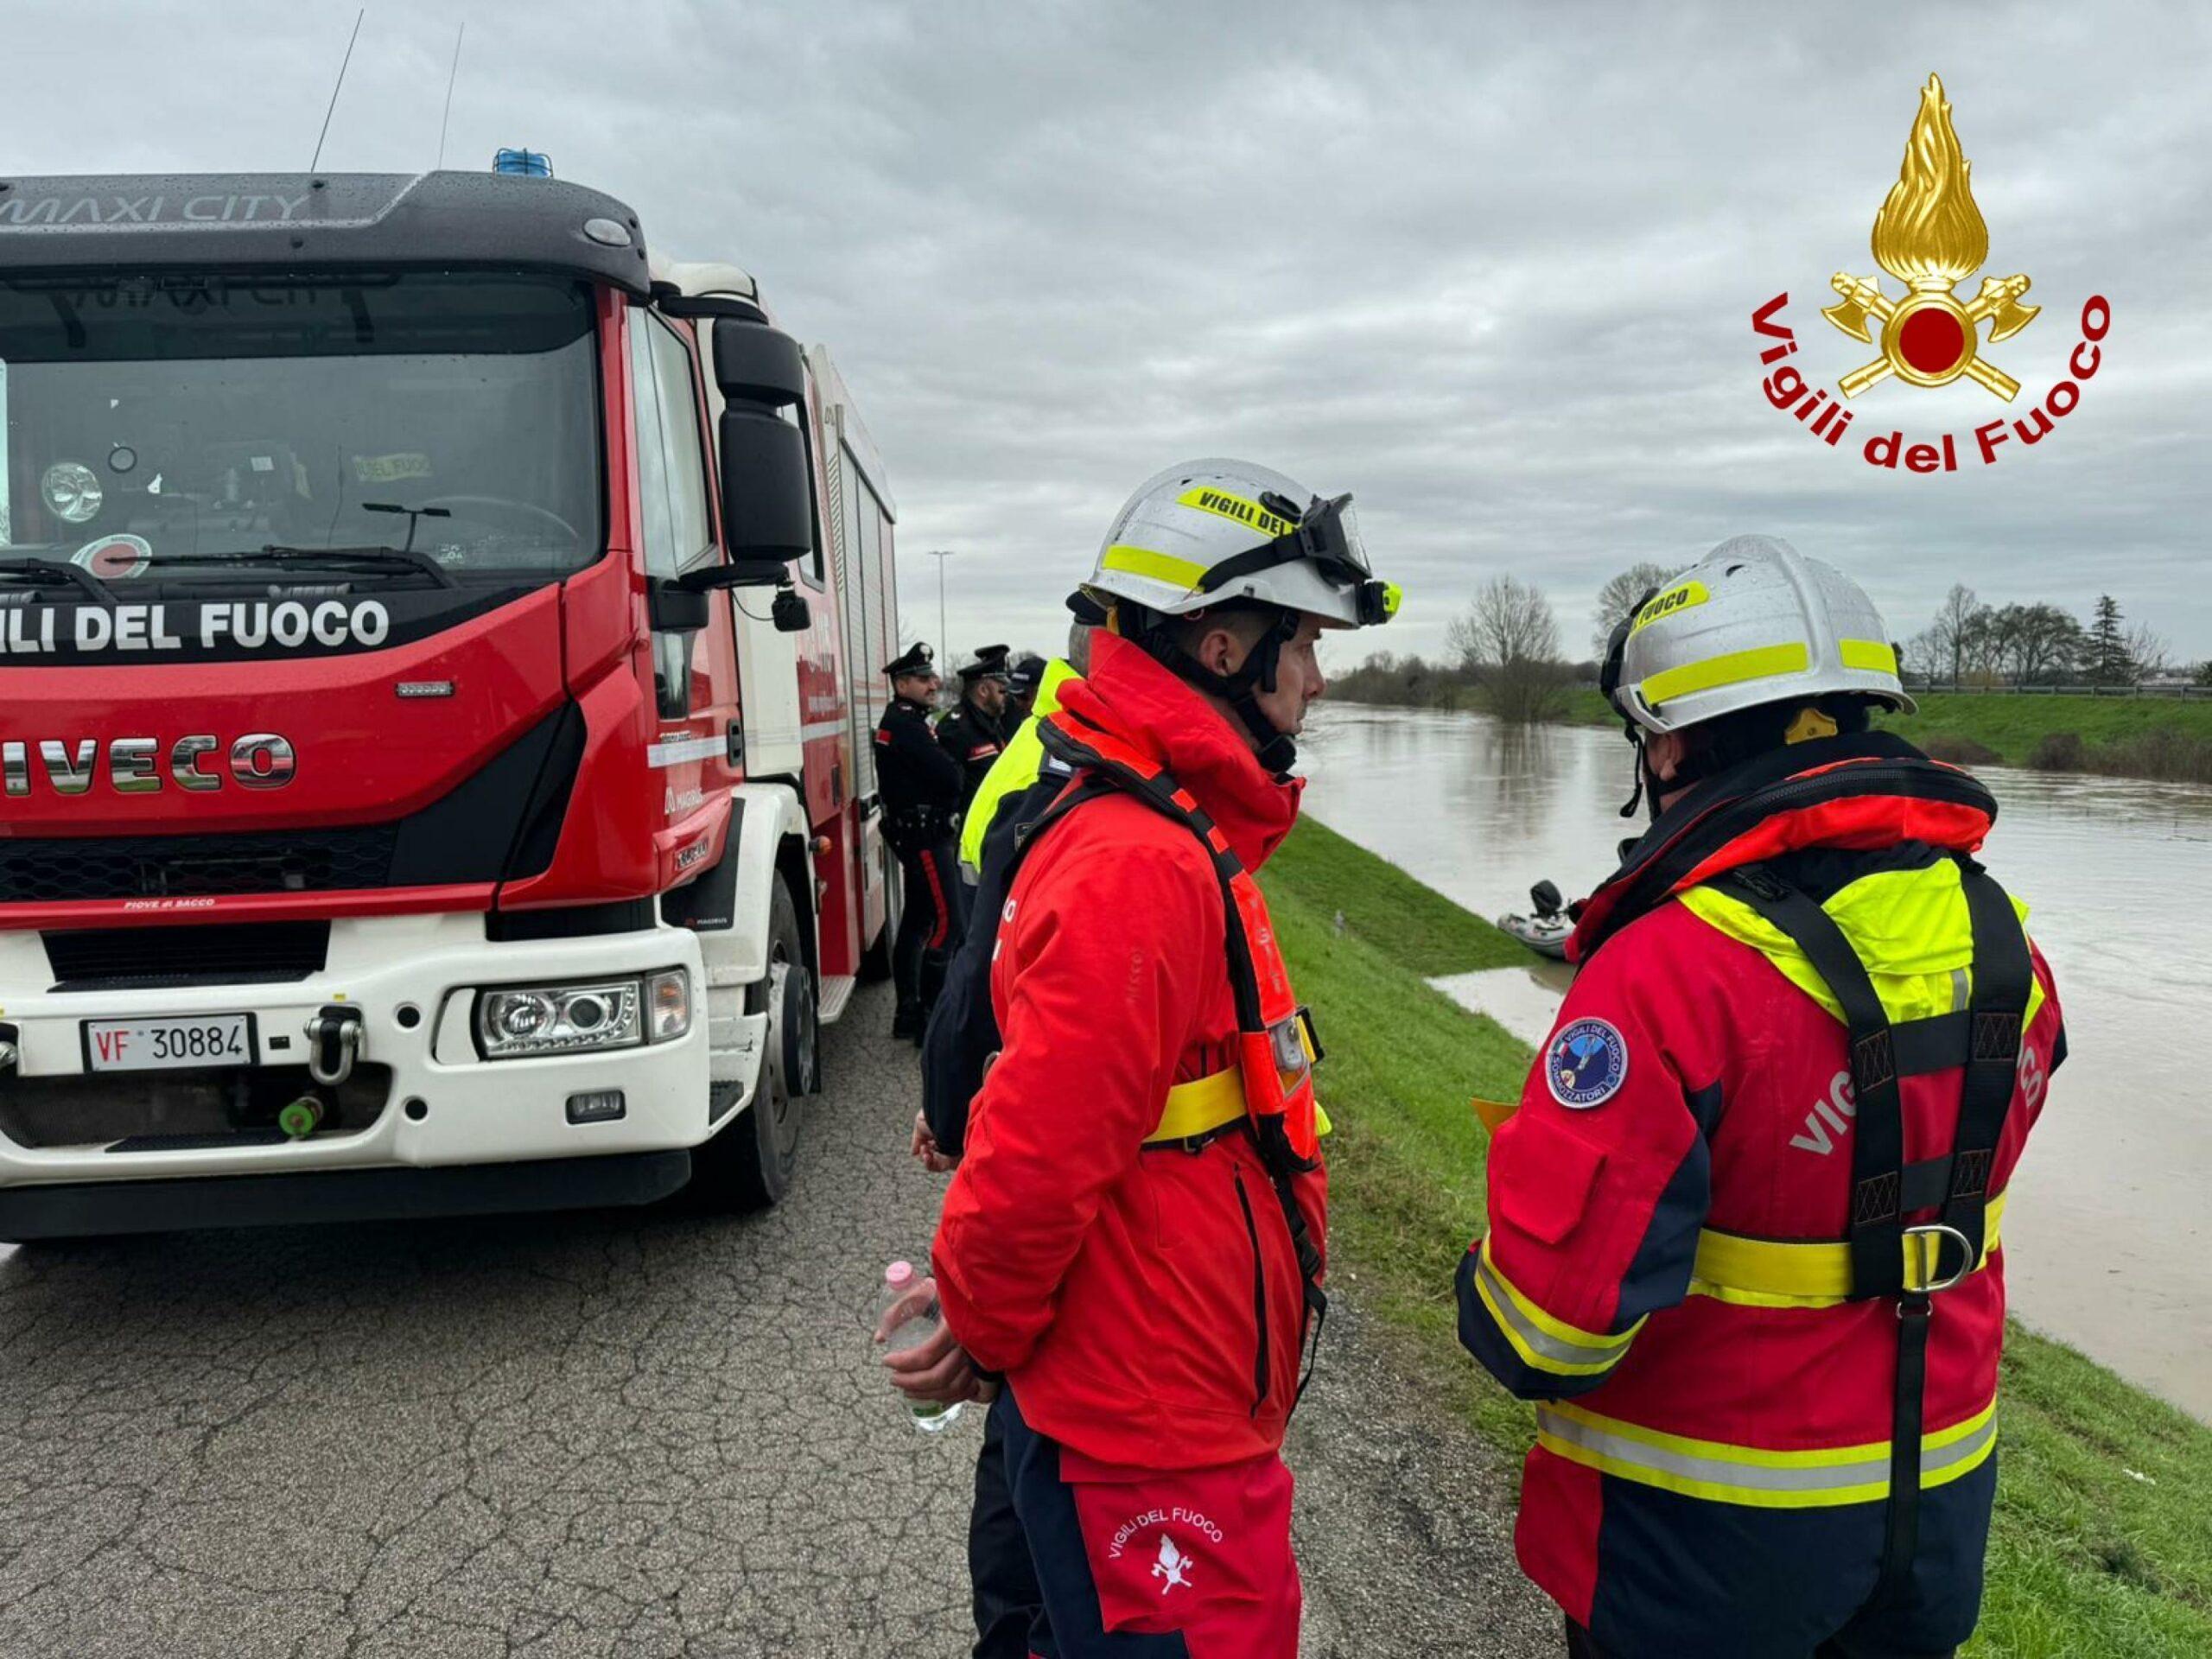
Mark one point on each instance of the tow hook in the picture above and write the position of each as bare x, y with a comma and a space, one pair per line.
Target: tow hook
333, 1043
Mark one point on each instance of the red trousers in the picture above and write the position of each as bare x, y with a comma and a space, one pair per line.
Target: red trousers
1154, 1564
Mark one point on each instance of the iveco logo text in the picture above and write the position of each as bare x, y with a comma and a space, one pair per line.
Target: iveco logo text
135, 764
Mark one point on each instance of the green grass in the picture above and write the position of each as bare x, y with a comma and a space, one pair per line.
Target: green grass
1586, 707
2157, 737
2084, 1559
1422, 930
2010, 725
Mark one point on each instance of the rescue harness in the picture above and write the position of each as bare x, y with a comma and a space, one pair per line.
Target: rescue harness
1722, 836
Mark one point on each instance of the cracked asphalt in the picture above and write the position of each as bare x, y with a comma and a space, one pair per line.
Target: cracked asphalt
623, 1433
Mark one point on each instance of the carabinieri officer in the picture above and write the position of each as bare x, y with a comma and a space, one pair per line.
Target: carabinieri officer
974, 733
921, 788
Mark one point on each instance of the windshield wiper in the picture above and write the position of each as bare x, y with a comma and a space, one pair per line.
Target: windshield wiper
55, 572
398, 560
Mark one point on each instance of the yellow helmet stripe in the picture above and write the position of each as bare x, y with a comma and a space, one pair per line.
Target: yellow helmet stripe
1869, 654
1760, 663
1680, 597
1237, 508
1159, 566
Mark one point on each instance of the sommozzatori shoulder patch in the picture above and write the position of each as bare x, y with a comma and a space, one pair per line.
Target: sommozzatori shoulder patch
1586, 1063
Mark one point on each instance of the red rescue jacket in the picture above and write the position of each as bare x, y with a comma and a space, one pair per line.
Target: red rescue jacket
1663, 1271
1146, 1304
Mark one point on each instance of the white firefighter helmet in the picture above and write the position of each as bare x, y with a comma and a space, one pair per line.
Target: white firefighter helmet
1754, 622
1211, 531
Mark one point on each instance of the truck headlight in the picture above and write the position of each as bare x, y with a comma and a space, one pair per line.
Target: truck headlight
559, 1019
518, 1021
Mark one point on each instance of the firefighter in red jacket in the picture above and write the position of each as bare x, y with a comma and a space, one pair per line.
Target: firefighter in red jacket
1133, 1239
1744, 1224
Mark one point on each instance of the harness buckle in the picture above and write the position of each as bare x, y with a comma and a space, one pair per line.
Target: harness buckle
1924, 1275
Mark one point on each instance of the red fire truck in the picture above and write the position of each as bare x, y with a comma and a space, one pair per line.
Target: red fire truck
437, 648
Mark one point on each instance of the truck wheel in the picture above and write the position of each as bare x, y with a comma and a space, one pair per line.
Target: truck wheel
875, 961
748, 1166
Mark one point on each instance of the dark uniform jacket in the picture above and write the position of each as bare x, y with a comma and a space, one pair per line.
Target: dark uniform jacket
921, 783
974, 739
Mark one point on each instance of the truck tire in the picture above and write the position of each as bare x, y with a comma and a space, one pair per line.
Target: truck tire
748, 1166
875, 961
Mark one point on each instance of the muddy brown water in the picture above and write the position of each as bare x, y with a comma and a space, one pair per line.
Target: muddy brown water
2106, 1237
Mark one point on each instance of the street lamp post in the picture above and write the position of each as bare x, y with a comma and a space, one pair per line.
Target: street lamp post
941, 554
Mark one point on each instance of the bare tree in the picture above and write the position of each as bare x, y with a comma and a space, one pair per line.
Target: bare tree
1960, 617
1926, 654
2148, 651
2038, 645
1617, 596
1509, 639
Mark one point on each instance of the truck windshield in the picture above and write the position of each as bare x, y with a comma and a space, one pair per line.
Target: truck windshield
197, 416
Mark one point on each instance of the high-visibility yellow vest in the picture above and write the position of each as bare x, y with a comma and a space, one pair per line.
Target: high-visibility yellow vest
1014, 770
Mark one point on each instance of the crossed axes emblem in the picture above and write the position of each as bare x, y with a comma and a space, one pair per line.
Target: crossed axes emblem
1940, 324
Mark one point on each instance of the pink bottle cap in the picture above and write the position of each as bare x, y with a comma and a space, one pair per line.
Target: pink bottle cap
898, 1274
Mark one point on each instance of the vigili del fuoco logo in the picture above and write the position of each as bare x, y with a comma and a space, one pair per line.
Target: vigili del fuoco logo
1931, 237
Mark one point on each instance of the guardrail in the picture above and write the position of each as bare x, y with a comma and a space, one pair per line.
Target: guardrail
2180, 693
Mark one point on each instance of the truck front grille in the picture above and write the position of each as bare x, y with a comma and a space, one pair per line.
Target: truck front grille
56, 869
150, 958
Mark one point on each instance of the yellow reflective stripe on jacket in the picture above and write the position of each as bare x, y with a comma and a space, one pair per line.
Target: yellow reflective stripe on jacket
1908, 927
1736, 666
1211, 1103
1200, 1107
1159, 567
1015, 769
1753, 1475
1544, 1341
1769, 1273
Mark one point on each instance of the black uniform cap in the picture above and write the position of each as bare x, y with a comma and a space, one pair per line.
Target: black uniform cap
917, 658
1028, 674
990, 665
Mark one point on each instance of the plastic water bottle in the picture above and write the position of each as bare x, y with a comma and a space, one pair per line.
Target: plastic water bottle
910, 1317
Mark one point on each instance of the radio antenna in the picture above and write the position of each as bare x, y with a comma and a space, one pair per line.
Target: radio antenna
317, 159
452, 75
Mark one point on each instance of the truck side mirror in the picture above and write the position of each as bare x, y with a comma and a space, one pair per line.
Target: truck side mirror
766, 493
767, 498
755, 364
675, 607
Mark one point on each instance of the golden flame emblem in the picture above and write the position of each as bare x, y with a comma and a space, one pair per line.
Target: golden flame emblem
1931, 237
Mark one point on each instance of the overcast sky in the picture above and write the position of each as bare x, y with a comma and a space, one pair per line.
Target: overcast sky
1490, 268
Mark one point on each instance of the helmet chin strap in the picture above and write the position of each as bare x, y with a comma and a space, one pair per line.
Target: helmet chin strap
1277, 749
1642, 780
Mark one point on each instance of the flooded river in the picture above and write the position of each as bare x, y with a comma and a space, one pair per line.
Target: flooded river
2106, 1237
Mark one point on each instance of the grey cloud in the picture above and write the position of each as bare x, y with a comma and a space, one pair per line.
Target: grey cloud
1490, 267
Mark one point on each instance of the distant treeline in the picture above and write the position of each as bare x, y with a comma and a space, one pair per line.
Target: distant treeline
1504, 658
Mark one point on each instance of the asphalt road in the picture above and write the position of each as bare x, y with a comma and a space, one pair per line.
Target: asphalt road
629, 1433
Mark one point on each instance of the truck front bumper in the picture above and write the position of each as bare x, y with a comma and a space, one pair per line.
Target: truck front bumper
414, 980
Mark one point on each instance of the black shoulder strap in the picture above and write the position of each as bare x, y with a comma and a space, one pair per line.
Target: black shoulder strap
1877, 1236
2003, 974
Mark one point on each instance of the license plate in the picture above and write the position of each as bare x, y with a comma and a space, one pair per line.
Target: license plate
178, 1043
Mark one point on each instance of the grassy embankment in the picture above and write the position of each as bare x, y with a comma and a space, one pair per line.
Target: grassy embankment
2085, 1560
2127, 737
